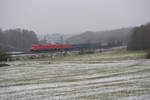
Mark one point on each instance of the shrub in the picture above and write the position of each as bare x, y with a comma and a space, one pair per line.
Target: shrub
148, 55
3, 56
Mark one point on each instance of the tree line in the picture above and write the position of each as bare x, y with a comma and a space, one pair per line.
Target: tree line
17, 39
140, 38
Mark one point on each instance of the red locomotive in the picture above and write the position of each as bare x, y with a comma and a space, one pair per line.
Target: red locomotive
37, 47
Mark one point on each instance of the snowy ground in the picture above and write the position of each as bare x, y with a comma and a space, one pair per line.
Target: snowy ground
88, 77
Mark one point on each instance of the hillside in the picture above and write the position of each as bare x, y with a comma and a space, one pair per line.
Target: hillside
101, 36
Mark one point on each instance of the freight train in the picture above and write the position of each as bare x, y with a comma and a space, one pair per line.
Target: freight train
73, 47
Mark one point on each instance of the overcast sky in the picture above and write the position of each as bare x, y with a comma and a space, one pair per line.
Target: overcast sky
72, 16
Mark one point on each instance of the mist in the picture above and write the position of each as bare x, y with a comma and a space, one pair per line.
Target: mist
72, 16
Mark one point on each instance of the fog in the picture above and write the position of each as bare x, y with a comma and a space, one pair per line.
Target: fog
72, 16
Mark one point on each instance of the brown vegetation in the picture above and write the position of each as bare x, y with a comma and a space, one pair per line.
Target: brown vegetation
140, 38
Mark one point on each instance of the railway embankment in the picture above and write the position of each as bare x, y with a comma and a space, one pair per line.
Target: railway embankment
59, 54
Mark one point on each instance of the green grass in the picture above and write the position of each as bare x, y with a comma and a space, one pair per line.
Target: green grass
104, 56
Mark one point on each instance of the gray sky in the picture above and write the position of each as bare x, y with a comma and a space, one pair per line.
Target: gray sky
72, 16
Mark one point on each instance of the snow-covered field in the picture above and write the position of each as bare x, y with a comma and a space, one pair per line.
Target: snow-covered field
82, 79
